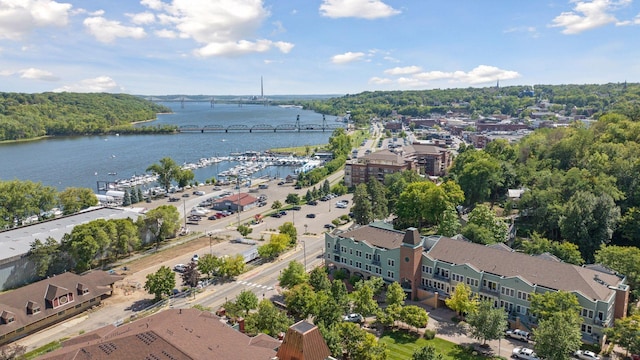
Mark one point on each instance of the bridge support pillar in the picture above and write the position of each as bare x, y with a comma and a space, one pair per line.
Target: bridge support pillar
250, 130
274, 130
201, 131
226, 130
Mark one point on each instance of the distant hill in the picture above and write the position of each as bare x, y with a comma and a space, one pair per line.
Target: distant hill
27, 116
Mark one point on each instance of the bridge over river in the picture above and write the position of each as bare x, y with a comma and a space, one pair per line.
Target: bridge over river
296, 127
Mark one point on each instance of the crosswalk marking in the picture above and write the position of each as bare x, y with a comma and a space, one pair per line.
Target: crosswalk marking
250, 284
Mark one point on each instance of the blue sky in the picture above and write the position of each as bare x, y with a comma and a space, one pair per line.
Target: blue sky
223, 47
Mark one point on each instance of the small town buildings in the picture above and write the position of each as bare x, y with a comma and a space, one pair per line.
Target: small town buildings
375, 165
428, 269
36, 306
236, 202
430, 160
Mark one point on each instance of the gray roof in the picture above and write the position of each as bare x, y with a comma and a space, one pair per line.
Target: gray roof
536, 270
379, 237
17, 242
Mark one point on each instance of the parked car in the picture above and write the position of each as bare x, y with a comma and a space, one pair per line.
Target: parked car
586, 355
199, 192
518, 335
283, 213
212, 217
354, 318
341, 205
312, 202
525, 354
173, 199
298, 187
311, 216
262, 203
263, 186
180, 268
195, 258
185, 195
329, 226
276, 215
296, 207
281, 183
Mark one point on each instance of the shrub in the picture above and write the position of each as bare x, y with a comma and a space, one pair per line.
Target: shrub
429, 334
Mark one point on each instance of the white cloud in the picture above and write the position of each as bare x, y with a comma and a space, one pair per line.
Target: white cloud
142, 18
222, 27
347, 57
37, 74
379, 81
367, 9
99, 84
241, 47
587, 15
403, 70
107, 31
166, 33
32, 74
19, 18
478, 75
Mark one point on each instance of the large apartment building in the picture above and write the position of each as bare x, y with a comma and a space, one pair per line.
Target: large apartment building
428, 268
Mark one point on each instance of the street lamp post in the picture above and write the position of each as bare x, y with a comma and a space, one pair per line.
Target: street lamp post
184, 208
210, 245
304, 254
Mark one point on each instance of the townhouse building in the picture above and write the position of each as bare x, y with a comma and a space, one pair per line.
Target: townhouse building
429, 268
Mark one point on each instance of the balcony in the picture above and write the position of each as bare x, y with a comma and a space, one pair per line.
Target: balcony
375, 262
492, 292
336, 251
440, 277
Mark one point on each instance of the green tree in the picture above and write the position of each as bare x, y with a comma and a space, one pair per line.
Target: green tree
276, 205
478, 174
414, 316
74, 199
292, 199
127, 237
363, 301
426, 352
623, 259
552, 303
289, 229
160, 283
625, 333
450, 224
341, 295
318, 279
232, 266
308, 196
162, 222
126, 201
462, 301
134, 196
327, 309
590, 221
209, 264
362, 210
395, 294
557, 338
167, 170
247, 300
276, 245
377, 195
487, 322
244, 230
357, 343
44, 255
483, 217
184, 177
300, 300
268, 320
326, 187
293, 275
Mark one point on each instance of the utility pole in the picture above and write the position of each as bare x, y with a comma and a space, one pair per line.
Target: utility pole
304, 253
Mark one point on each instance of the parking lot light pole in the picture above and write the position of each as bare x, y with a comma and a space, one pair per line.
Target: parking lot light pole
304, 254
210, 239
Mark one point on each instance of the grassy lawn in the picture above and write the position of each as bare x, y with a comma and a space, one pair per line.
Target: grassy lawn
401, 345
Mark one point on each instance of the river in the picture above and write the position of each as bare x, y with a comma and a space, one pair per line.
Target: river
82, 161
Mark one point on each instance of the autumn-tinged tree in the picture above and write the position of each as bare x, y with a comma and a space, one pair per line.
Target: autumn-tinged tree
462, 301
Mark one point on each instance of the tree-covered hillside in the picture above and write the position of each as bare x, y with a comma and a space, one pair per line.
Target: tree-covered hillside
622, 98
25, 116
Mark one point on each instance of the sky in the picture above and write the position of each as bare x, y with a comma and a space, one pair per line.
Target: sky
304, 47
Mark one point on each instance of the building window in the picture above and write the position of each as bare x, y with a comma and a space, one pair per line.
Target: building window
358, 264
350, 251
586, 313
586, 328
507, 291
390, 274
457, 277
350, 262
343, 249
391, 262
367, 256
367, 267
523, 295
378, 271
472, 282
490, 285
358, 253
442, 272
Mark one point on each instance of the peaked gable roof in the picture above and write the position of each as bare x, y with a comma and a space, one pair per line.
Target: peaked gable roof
303, 341
537, 270
179, 334
376, 236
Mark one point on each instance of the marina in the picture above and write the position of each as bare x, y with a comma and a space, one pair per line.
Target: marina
82, 161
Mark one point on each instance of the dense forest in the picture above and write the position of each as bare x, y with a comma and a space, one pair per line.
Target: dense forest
587, 100
26, 116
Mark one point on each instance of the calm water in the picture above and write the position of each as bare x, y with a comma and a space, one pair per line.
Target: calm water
75, 161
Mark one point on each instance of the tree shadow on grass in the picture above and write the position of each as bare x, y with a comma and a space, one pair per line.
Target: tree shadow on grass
450, 329
401, 336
